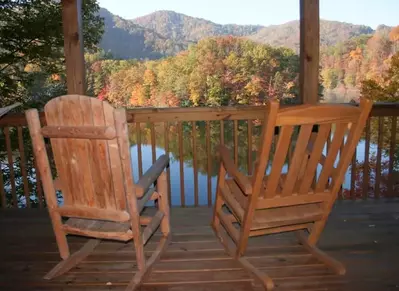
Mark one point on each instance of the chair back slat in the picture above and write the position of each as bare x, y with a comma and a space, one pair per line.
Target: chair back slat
297, 159
267, 139
90, 170
279, 159
309, 171
115, 161
337, 139
102, 173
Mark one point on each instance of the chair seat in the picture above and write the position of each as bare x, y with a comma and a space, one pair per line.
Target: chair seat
279, 216
99, 228
98, 225
289, 215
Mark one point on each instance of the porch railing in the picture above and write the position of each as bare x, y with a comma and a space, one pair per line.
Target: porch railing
189, 136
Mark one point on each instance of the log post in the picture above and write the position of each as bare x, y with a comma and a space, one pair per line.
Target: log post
73, 46
309, 51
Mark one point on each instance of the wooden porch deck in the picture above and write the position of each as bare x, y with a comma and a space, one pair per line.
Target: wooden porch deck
364, 235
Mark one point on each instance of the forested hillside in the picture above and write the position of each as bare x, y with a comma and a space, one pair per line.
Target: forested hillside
170, 59
125, 39
348, 63
216, 71
165, 33
331, 33
185, 28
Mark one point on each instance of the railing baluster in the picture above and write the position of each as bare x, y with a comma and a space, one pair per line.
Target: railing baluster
139, 154
327, 150
353, 176
195, 170
166, 136
153, 143
11, 167
222, 132
366, 166
249, 165
209, 162
236, 142
391, 180
182, 197
379, 154
340, 196
2, 192
23, 166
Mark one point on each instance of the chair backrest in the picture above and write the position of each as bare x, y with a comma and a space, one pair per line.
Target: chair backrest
91, 153
310, 176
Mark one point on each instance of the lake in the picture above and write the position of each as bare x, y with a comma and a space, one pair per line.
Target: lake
188, 168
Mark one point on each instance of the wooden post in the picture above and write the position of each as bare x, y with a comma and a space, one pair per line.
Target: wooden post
73, 46
309, 51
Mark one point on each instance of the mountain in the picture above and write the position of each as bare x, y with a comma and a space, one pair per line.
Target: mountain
125, 39
185, 28
165, 33
331, 33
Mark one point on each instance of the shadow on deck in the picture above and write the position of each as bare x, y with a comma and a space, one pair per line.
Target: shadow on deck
363, 235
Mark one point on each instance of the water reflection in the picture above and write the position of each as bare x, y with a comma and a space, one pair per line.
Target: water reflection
202, 178
175, 176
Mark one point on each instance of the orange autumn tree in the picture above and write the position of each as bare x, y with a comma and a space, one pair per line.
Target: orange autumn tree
382, 89
385, 88
217, 71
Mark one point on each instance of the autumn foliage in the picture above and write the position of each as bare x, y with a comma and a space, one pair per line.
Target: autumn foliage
217, 71
347, 64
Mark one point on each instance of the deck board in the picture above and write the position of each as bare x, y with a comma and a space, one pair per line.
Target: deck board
364, 235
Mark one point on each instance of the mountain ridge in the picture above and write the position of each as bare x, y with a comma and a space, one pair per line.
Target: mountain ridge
165, 33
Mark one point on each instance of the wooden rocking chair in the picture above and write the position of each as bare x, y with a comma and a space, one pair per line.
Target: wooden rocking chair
89, 140
299, 200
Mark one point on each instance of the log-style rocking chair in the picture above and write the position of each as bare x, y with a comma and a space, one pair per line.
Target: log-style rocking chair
299, 200
89, 141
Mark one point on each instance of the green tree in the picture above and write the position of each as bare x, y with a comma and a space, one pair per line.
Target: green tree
31, 35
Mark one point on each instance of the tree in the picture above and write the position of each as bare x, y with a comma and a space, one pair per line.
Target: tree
215, 72
386, 89
31, 34
394, 37
394, 34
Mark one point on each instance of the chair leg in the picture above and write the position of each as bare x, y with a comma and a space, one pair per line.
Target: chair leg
316, 231
141, 274
218, 200
163, 203
60, 235
329, 261
262, 277
217, 207
73, 260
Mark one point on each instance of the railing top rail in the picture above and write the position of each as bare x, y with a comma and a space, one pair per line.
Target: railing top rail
198, 114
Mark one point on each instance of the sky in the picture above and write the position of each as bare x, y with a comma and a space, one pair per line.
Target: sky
262, 12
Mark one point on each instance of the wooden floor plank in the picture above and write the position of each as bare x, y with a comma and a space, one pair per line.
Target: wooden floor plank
361, 235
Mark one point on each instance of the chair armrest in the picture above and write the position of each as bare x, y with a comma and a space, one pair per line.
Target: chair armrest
151, 175
243, 182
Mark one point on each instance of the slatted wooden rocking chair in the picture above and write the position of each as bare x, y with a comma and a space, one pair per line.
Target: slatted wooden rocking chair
300, 200
89, 140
